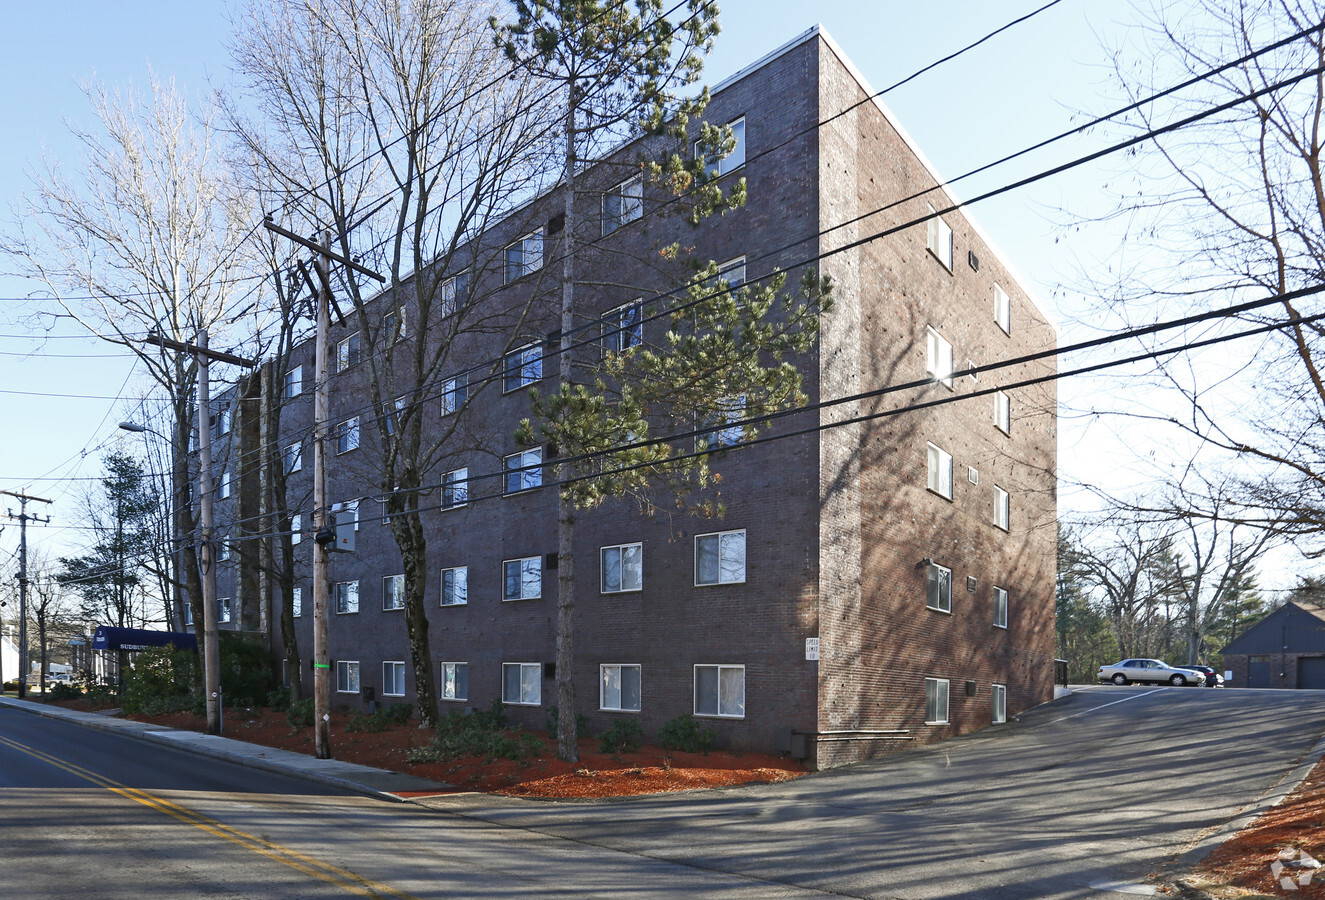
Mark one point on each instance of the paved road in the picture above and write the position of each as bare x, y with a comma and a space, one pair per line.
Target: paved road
1095, 791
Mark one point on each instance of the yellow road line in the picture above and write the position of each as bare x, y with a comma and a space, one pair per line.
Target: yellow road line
308, 865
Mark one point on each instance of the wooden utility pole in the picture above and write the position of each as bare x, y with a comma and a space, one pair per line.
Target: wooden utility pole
23, 519
321, 527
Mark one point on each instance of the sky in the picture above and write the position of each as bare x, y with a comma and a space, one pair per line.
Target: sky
58, 411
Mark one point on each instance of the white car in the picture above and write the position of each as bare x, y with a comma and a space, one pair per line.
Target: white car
1148, 671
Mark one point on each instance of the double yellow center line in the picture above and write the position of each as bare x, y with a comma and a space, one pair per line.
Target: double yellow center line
335, 875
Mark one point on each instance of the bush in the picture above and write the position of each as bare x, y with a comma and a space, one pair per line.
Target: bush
245, 669
684, 733
480, 734
100, 696
279, 699
373, 724
159, 679
399, 713
61, 691
300, 714
554, 717
10, 686
625, 736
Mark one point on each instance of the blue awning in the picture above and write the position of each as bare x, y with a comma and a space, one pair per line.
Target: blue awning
108, 638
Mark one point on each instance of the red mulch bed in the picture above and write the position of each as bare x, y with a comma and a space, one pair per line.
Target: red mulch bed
652, 770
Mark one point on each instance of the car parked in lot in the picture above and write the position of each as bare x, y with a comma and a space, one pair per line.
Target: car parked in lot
1212, 678
1148, 671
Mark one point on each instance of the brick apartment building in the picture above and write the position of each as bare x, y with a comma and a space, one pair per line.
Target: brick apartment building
872, 584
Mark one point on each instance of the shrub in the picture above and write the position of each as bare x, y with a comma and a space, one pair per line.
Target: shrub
10, 686
399, 713
373, 724
684, 733
100, 696
481, 734
160, 679
279, 699
625, 736
245, 669
61, 691
554, 719
300, 714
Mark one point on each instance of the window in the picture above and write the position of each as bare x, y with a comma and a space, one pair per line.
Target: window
393, 679
296, 529
223, 421
940, 471
455, 681
1002, 508
347, 676
522, 578
223, 609
188, 613
623, 568
223, 549
392, 413
523, 366
1000, 699
522, 683
393, 592
720, 691
1000, 607
453, 394
223, 491
733, 272
294, 383
297, 602
455, 586
347, 353
623, 204
524, 471
936, 701
347, 597
347, 435
294, 458
619, 688
733, 160
1002, 309
938, 238
524, 256
393, 326
972, 474
938, 588
1003, 412
729, 410
455, 488
720, 558
938, 357
623, 327
455, 293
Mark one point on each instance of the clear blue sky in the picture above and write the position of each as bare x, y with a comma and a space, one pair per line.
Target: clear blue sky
1016, 89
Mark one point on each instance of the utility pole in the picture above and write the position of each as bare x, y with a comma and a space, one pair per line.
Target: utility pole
23, 518
211, 651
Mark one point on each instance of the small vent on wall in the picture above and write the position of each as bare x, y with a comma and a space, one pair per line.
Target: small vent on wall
971, 583
556, 223
550, 670
973, 260
970, 688
550, 561
972, 474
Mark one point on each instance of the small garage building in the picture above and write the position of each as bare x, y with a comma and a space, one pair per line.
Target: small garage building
1286, 649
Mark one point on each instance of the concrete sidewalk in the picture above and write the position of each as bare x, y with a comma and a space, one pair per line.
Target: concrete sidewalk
347, 776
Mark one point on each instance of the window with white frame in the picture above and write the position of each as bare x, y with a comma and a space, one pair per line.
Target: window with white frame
1000, 607
296, 602
188, 613
1000, 703
223, 421
347, 597
393, 592
619, 688
392, 414
453, 394
223, 489
936, 701
522, 366
728, 410
522, 579
347, 676
347, 353
294, 458
1002, 309
623, 327
455, 293
522, 684
347, 435
1002, 508
455, 681
524, 256
524, 470
733, 160
393, 679
938, 357
720, 691
223, 549
294, 383
623, 204
939, 467
938, 587
455, 488
393, 325
455, 586
1003, 412
223, 609
732, 272
296, 529
938, 238
720, 558
623, 568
